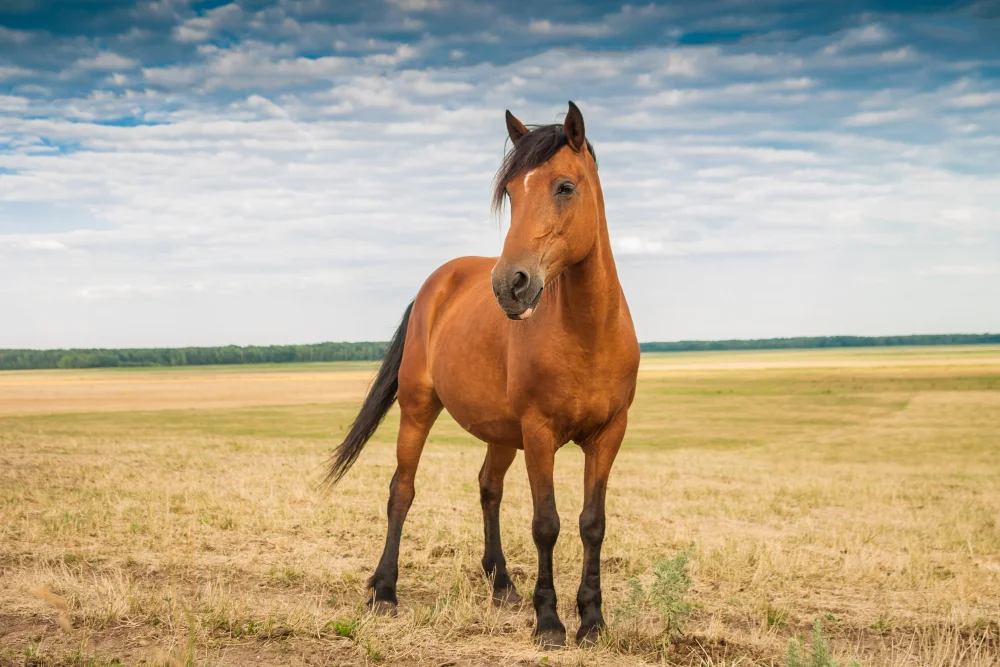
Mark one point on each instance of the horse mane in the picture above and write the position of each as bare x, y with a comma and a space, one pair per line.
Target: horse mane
533, 150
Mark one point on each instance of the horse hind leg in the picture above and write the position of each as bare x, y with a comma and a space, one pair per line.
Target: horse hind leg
491, 476
415, 423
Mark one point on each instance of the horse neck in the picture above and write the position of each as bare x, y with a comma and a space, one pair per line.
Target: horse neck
589, 293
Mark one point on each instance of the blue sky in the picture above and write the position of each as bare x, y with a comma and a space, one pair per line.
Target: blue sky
176, 172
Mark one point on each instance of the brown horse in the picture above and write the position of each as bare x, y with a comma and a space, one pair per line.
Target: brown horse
560, 366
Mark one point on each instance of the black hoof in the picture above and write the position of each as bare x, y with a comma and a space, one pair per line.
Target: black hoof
551, 639
383, 607
506, 597
588, 637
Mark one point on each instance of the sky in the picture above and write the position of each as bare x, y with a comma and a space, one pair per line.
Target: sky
290, 171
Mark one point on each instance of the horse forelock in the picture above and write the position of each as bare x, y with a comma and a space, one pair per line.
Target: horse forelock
530, 152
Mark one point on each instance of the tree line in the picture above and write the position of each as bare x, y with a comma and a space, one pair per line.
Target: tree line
370, 351
807, 342
190, 356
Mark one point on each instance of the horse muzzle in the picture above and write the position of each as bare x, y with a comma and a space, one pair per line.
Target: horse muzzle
517, 289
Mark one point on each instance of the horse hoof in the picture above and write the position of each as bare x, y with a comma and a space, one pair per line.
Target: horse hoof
506, 597
383, 607
551, 639
588, 638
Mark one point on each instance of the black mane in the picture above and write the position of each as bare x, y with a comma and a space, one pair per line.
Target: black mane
533, 150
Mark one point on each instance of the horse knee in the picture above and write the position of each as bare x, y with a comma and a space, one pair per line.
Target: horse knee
545, 529
592, 526
489, 495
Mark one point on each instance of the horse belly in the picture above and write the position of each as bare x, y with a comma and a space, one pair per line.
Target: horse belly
476, 398
466, 350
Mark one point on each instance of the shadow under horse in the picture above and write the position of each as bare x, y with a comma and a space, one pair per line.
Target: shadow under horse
556, 362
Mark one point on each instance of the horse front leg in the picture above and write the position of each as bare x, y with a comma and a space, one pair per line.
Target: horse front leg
600, 454
539, 457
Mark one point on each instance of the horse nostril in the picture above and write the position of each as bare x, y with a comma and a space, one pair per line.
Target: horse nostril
520, 280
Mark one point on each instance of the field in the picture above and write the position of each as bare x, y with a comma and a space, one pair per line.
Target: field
171, 517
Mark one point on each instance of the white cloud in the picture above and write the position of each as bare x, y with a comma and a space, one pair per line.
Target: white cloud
867, 35
402, 53
546, 27
610, 24
117, 79
417, 5
8, 72
13, 102
634, 245
105, 61
962, 270
901, 55
10, 36
976, 100
204, 27
44, 244
189, 33
672, 98
867, 118
250, 65
432, 88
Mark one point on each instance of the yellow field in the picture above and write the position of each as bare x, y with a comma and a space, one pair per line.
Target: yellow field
174, 514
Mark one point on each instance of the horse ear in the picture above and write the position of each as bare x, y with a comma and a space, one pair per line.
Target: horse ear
515, 128
573, 127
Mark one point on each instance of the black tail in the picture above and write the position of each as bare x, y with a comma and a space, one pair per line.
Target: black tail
380, 398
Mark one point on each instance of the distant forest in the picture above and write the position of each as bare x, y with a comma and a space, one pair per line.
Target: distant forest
821, 341
190, 356
370, 351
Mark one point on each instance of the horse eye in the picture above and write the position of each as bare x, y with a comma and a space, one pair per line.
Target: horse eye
566, 189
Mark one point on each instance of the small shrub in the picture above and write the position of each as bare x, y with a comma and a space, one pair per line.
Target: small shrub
671, 582
819, 653
372, 653
775, 615
666, 595
344, 627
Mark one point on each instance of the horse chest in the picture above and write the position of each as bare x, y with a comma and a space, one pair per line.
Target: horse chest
577, 399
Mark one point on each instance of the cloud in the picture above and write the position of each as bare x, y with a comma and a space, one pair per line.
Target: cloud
976, 100
44, 244
402, 53
202, 28
962, 270
417, 5
8, 72
14, 102
16, 37
867, 118
547, 27
251, 65
609, 24
900, 55
634, 245
867, 35
105, 61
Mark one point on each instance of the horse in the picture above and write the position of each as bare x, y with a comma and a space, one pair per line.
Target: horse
556, 362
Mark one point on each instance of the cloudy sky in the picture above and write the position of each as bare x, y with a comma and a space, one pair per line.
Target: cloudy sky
178, 172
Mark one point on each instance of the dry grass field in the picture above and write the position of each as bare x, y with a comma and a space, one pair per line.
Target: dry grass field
171, 517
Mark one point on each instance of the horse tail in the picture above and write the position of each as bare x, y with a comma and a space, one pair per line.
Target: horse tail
380, 398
